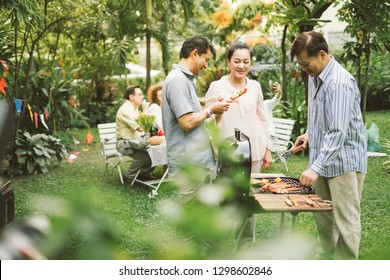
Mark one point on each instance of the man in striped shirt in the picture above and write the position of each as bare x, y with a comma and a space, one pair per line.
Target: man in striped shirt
337, 146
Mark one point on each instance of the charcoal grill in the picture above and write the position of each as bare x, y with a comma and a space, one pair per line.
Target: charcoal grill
234, 168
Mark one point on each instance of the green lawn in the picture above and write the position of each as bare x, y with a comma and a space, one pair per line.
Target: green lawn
94, 216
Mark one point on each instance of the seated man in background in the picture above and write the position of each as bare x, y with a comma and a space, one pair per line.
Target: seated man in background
127, 129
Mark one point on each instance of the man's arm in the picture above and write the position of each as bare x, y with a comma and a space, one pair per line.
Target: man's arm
191, 120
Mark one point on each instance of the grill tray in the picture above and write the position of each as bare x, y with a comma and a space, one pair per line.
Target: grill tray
294, 182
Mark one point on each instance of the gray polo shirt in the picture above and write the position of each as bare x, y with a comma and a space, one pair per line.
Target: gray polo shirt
179, 97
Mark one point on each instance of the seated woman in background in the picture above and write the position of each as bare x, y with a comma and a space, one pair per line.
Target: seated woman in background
154, 98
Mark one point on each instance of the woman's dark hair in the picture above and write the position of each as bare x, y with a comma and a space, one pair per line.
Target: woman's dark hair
311, 41
198, 42
152, 93
238, 45
130, 90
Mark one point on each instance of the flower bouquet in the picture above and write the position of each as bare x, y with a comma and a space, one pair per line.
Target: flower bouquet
145, 121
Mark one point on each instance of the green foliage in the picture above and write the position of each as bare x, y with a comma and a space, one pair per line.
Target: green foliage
33, 153
145, 121
209, 75
378, 89
66, 139
295, 107
89, 212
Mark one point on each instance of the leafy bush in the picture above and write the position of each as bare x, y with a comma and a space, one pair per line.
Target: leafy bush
33, 153
209, 75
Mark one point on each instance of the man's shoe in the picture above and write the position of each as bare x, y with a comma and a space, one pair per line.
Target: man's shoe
146, 177
128, 179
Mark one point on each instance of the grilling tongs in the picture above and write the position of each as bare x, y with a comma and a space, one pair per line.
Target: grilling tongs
288, 153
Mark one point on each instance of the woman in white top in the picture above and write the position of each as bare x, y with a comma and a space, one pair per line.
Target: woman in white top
246, 112
154, 98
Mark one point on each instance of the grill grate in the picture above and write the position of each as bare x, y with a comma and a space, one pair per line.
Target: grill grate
294, 182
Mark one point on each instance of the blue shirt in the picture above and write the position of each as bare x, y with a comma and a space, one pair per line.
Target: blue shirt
179, 97
336, 132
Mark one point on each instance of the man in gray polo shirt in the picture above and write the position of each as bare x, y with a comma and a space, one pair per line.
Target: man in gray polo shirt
183, 117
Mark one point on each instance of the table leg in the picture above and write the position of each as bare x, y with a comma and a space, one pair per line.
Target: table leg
282, 222
294, 219
240, 233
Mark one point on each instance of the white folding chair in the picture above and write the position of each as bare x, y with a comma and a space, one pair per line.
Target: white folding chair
282, 135
107, 134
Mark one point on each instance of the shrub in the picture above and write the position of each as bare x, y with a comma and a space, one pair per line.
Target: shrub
33, 153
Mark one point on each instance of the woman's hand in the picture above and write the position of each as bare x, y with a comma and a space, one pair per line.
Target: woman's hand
267, 160
277, 89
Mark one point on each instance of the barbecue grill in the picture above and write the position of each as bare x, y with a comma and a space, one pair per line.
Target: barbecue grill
293, 182
234, 169
234, 166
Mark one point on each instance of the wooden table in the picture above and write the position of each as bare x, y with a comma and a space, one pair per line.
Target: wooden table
276, 203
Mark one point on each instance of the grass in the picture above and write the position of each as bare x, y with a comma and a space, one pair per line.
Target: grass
94, 216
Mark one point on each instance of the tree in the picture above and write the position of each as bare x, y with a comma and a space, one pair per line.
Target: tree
367, 22
165, 19
297, 16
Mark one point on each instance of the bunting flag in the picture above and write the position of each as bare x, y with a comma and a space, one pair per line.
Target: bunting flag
18, 105
36, 119
4, 71
5, 67
3, 85
71, 102
46, 113
31, 111
48, 107
89, 138
42, 117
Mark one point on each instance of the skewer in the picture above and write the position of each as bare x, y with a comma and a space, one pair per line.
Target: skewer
294, 202
288, 201
309, 201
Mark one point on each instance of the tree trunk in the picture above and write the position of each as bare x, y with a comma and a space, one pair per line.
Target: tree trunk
364, 93
148, 42
284, 61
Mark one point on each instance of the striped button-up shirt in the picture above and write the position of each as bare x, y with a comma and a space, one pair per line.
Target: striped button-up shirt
336, 131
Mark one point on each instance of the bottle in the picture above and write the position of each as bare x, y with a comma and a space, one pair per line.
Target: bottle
160, 132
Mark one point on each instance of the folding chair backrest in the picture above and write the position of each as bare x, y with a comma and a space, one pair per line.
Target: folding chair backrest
283, 131
107, 134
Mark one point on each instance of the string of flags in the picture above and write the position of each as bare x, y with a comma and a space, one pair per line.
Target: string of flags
42, 117
36, 118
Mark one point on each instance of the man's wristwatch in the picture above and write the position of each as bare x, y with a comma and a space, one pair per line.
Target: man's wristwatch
209, 113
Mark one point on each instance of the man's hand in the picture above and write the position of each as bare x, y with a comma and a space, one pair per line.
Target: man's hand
303, 139
145, 106
220, 106
308, 178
